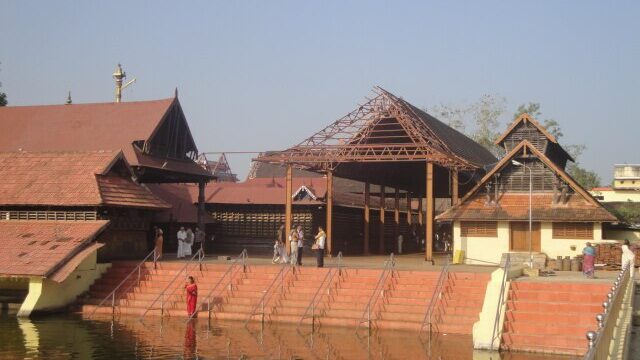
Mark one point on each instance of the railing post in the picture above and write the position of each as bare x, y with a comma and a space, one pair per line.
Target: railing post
155, 259
262, 307
313, 315
113, 303
162, 304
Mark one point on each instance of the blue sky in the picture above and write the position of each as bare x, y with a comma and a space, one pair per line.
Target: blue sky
259, 75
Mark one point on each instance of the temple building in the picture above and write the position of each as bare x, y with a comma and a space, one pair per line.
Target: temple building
62, 211
494, 217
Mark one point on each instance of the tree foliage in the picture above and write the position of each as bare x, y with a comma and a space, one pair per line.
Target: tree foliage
628, 212
3, 97
479, 120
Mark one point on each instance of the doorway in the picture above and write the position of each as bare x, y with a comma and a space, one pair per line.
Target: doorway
519, 239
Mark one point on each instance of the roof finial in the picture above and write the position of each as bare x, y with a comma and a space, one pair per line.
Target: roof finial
68, 102
119, 76
175, 94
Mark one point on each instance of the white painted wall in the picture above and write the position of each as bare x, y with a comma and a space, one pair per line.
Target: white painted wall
482, 250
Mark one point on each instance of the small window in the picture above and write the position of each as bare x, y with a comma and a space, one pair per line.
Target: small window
573, 230
599, 197
479, 229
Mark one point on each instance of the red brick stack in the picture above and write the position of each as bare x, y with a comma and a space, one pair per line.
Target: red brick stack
610, 254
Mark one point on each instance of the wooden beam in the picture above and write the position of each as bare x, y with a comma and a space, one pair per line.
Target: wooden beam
287, 206
428, 233
381, 248
455, 197
396, 214
367, 198
329, 212
409, 214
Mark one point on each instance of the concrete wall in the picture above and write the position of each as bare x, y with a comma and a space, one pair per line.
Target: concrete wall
631, 235
483, 250
46, 295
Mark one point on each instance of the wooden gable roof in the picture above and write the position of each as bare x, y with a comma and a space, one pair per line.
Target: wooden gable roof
514, 206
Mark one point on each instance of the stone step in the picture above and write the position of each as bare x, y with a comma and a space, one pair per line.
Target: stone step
556, 296
552, 329
544, 343
553, 307
551, 318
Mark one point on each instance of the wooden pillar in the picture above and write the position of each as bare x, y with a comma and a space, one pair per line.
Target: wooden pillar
420, 212
287, 206
396, 213
409, 220
454, 187
201, 187
329, 212
367, 197
428, 233
382, 203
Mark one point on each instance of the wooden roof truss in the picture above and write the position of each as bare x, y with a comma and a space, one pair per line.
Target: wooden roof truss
383, 129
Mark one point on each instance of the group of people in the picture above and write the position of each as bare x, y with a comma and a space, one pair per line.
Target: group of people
186, 239
296, 241
589, 258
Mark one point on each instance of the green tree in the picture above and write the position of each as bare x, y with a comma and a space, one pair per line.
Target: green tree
478, 121
586, 178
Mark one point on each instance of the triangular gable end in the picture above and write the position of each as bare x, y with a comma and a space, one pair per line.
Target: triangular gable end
526, 118
527, 146
172, 137
303, 192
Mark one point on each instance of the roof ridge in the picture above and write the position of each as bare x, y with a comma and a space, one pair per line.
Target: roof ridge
75, 105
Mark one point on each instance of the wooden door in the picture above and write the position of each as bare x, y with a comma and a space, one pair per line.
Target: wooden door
519, 236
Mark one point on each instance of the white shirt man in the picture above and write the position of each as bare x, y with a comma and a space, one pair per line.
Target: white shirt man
182, 237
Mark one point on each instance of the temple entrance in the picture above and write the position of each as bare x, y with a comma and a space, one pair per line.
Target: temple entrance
519, 236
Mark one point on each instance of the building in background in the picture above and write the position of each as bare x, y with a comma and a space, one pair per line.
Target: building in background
493, 218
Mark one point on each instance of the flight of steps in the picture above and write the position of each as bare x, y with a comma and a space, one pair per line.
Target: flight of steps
346, 304
551, 317
134, 297
341, 302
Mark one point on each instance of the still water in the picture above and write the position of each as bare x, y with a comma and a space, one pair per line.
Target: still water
71, 337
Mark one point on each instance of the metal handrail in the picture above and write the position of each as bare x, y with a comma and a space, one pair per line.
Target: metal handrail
503, 288
606, 324
241, 257
373, 299
162, 294
328, 278
112, 294
266, 294
437, 294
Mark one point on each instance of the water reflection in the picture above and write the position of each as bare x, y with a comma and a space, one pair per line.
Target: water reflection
70, 337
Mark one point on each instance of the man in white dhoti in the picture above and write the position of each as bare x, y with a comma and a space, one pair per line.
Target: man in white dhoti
628, 257
182, 236
188, 242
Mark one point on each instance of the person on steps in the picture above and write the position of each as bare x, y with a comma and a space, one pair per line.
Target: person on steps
192, 296
321, 238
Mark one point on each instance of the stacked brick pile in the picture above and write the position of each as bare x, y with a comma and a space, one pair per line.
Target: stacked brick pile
610, 254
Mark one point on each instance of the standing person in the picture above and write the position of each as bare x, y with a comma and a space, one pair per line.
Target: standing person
588, 260
400, 241
188, 242
199, 237
300, 244
182, 236
628, 257
293, 245
282, 248
321, 238
192, 296
158, 244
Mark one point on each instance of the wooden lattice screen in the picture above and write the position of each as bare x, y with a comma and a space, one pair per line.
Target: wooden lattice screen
479, 228
573, 230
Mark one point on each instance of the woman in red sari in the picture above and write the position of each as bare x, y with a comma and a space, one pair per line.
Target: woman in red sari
192, 296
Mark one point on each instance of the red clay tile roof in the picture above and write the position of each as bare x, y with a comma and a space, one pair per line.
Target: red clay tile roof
515, 206
69, 179
88, 127
580, 207
39, 248
182, 198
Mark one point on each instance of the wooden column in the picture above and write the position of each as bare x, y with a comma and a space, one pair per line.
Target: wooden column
454, 187
409, 220
367, 197
382, 203
329, 212
287, 206
201, 187
396, 213
428, 233
420, 212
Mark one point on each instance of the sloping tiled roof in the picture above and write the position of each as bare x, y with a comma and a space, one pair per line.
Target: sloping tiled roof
182, 198
515, 207
88, 127
69, 179
580, 207
456, 141
39, 248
